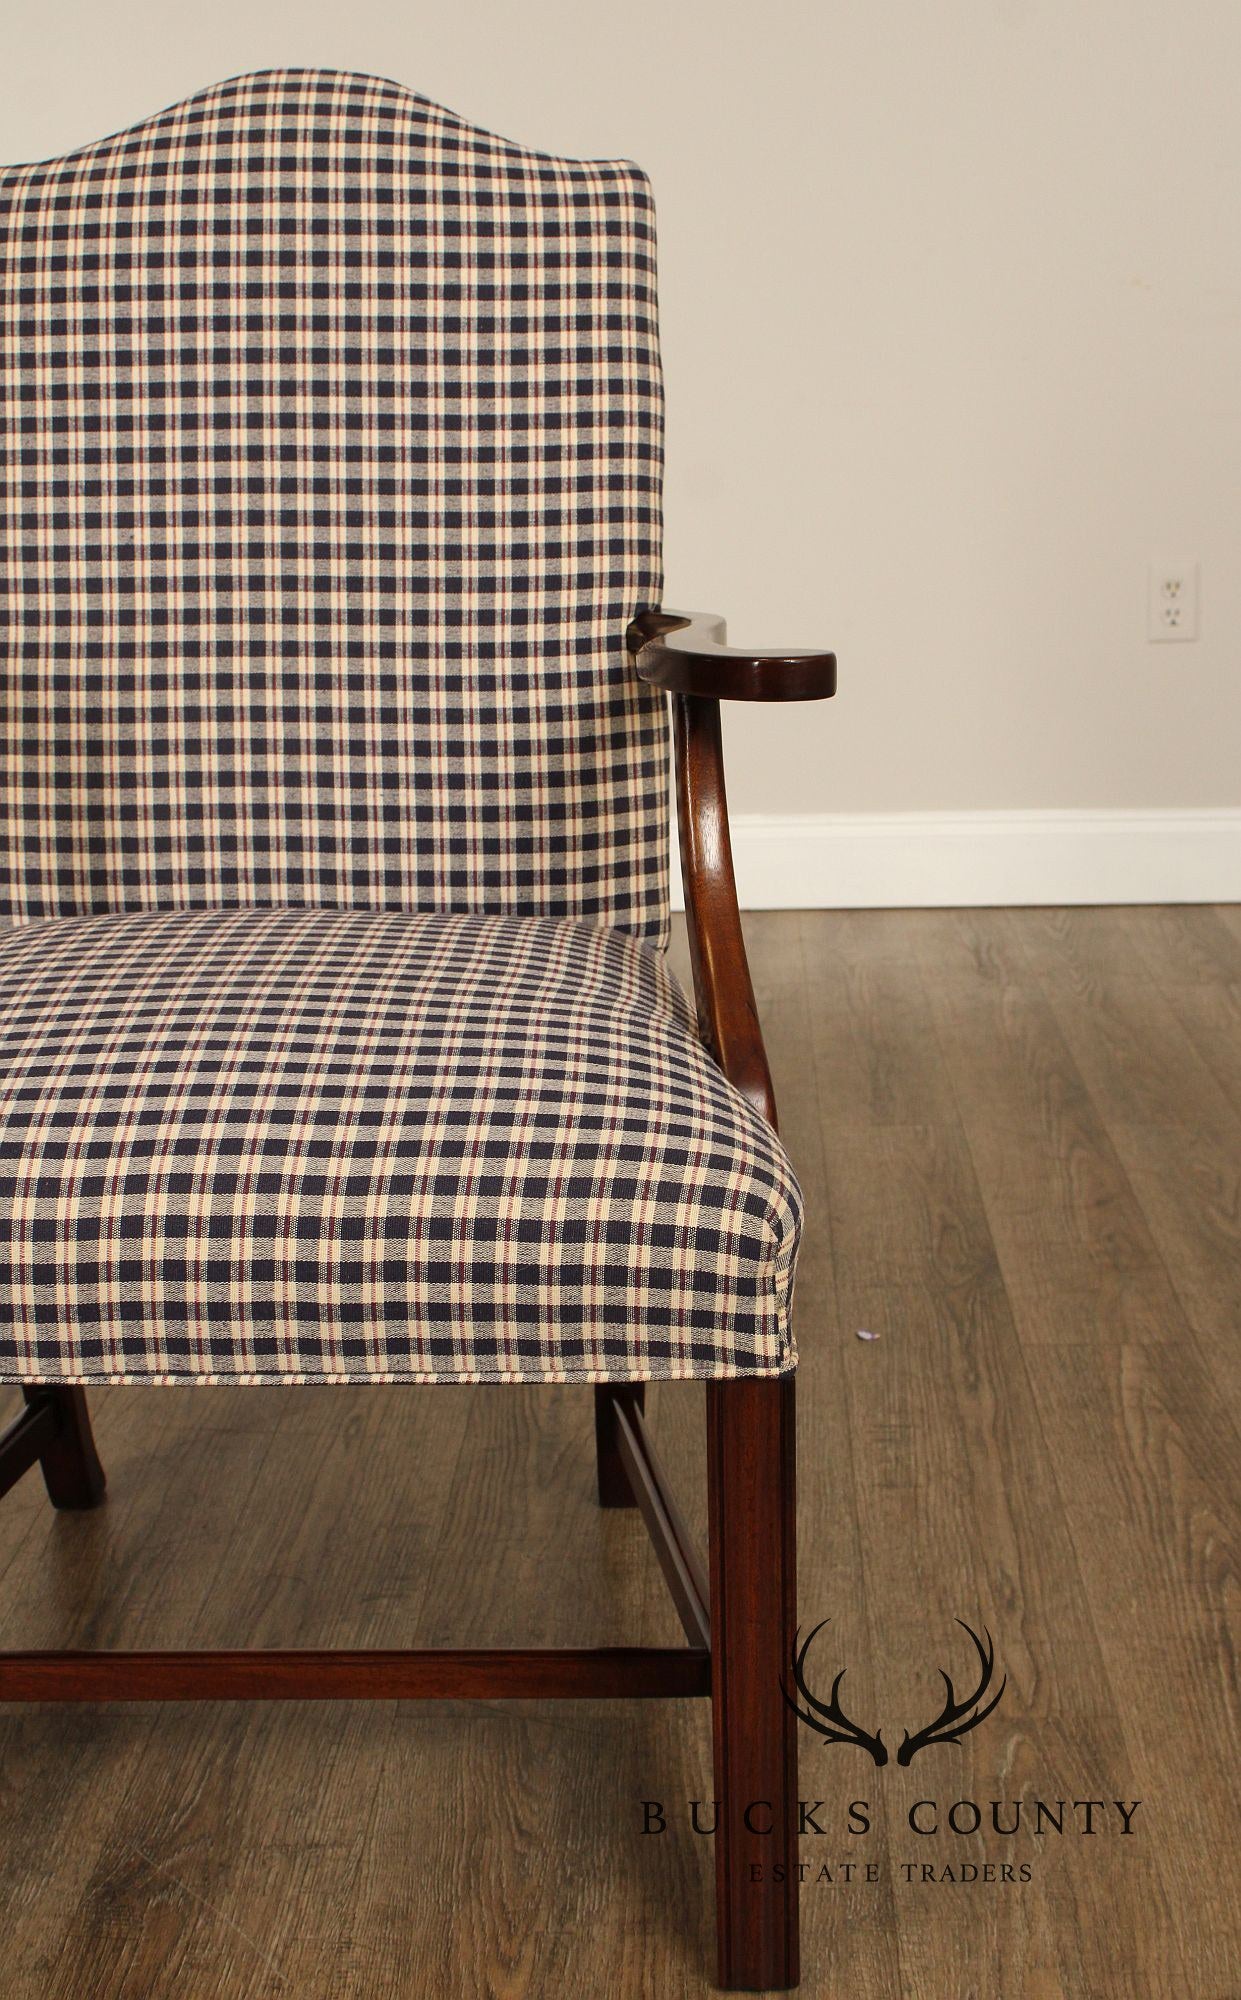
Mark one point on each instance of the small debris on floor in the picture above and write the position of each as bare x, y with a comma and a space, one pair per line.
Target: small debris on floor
863, 1335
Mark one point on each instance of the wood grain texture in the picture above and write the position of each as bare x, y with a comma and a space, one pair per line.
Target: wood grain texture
960, 1518
753, 1630
489, 1673
1144, 1454
719, 973
1017, 1135
684, 652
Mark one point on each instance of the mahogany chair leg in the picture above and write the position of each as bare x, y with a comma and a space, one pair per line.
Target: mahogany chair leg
71, 1469
614, 1487
751, 1455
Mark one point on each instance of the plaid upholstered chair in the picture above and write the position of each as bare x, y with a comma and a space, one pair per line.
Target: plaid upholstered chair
336, 1039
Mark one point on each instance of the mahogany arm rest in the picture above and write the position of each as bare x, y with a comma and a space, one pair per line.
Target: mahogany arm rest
683, 652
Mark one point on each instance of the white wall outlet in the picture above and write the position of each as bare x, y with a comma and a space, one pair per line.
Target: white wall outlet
1172, 601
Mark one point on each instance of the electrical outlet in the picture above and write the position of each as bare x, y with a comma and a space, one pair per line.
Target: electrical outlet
1172, 601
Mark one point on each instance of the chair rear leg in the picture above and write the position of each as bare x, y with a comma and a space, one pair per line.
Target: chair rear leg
71, 1469
751, 1457
614, 1488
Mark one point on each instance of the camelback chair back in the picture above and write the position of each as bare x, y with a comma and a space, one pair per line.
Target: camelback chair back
333, 460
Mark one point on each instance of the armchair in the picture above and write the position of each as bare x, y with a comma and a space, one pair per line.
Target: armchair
336, 1038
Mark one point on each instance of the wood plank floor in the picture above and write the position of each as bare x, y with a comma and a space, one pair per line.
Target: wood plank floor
1019, 1135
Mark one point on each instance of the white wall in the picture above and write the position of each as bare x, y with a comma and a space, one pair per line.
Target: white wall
951, 322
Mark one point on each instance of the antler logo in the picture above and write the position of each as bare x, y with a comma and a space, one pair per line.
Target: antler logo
957, 1717
828, 1719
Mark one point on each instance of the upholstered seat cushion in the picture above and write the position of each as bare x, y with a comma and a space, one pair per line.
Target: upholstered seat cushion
339, 1145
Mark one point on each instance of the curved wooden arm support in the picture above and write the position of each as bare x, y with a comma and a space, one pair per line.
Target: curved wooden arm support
683, 652
727, 1014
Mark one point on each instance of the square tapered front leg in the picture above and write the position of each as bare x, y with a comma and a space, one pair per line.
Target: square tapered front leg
751, 1486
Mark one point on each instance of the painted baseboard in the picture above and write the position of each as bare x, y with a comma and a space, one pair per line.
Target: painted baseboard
885, 861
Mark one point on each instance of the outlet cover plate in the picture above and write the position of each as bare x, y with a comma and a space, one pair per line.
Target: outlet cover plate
1172, 602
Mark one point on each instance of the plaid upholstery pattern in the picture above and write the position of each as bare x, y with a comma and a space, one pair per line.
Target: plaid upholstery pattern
296, 1145
330, 431
336, 1042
